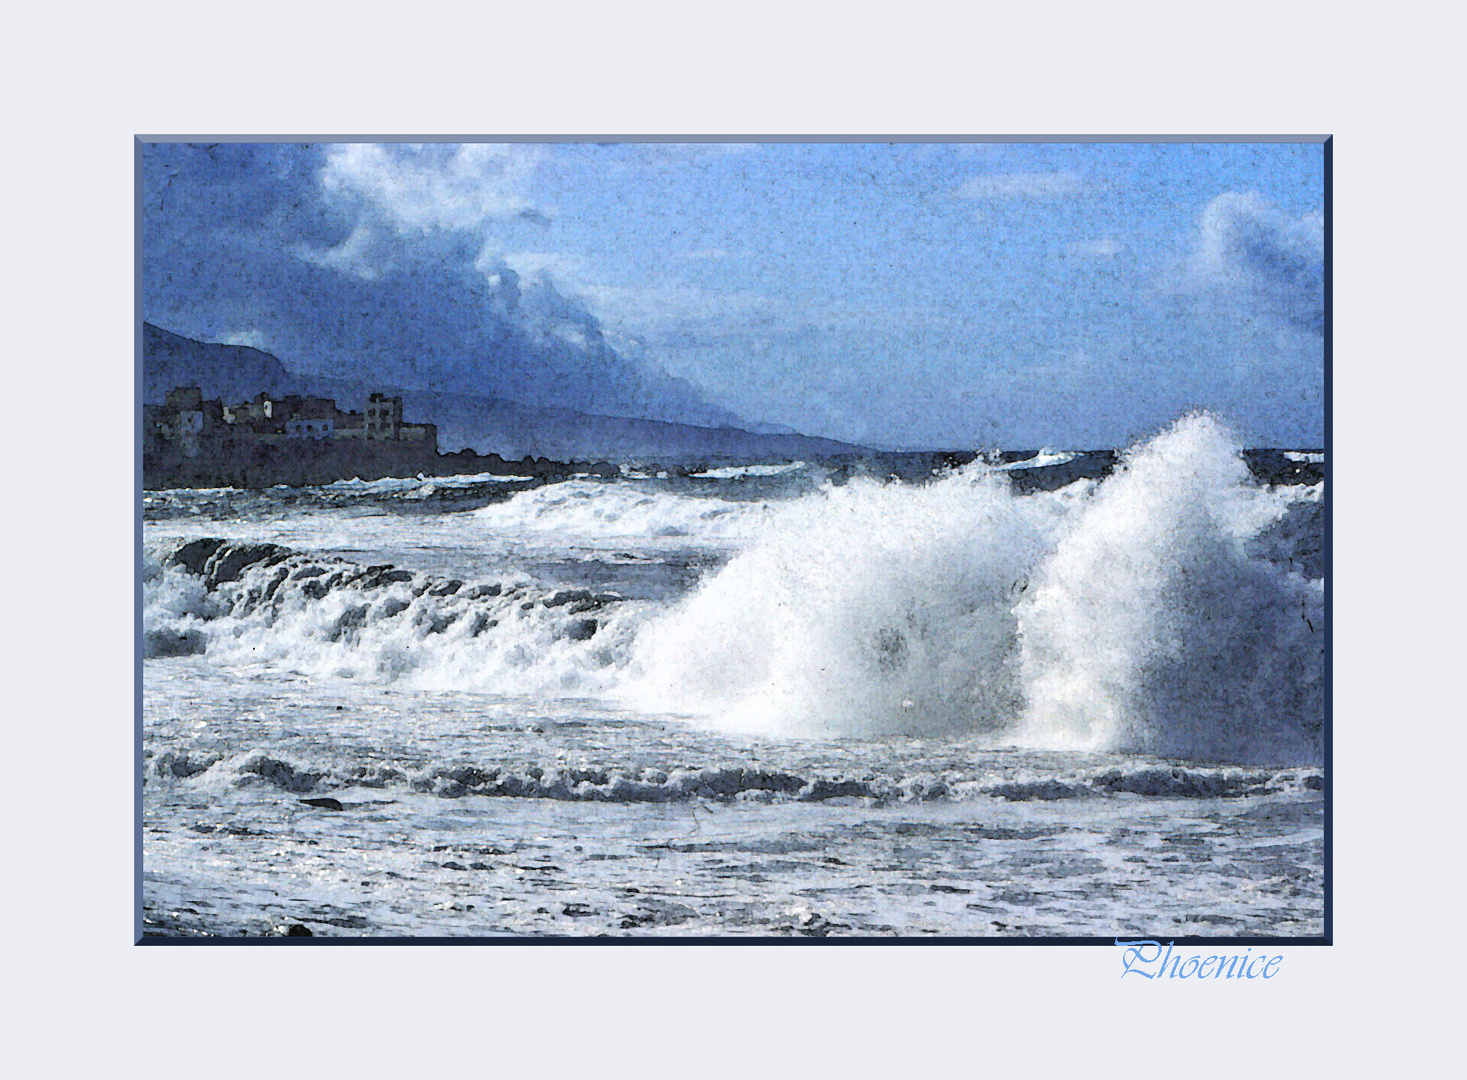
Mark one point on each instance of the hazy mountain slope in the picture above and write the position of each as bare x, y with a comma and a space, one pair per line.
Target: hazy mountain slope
488, 425
231, 372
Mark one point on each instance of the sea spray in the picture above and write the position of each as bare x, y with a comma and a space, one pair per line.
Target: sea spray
1151, 628
860, 610
1131, 615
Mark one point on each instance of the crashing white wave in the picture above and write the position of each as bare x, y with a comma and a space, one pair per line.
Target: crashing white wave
1167, 609
1125, 615
864, 609
1152, 628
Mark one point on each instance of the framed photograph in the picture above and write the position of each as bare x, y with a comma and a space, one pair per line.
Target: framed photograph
702, 539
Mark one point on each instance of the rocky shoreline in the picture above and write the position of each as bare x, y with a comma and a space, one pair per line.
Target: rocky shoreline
256, 465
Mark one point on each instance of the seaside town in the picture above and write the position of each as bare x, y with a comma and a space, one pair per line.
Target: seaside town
188, 425
189, 441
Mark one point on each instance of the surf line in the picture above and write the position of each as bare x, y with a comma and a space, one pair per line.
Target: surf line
1135, 961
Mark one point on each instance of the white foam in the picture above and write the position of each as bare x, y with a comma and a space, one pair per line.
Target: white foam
1300, 493
1039, 461
325, 618
594, 511
395, 484
738, 472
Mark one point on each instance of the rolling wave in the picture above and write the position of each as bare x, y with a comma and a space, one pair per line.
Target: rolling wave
716, 783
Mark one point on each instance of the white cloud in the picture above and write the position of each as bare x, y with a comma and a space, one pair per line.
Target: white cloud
563, 268
1104, 248
1249, 248
1021, 186
354, 255
1243, 236
434, 186
255, 339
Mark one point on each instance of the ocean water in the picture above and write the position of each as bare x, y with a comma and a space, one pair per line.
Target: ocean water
1016, 697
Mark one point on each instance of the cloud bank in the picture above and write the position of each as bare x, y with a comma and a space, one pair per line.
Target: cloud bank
399, 264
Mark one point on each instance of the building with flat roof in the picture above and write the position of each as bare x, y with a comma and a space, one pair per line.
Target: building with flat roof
383, 417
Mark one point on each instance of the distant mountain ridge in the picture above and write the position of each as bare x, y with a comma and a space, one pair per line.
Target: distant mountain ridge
232, 372
488, 425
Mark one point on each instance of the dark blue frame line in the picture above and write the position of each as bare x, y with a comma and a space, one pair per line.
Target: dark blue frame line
532, 939
1329, 542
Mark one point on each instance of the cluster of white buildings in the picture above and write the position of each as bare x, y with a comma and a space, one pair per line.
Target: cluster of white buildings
187, 422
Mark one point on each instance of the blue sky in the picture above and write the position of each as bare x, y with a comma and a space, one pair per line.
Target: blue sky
901, 295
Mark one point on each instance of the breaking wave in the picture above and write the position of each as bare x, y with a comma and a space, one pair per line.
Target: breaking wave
1174, 607
867, 609
1152, 627
719, 783
1142, 613
251, 604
